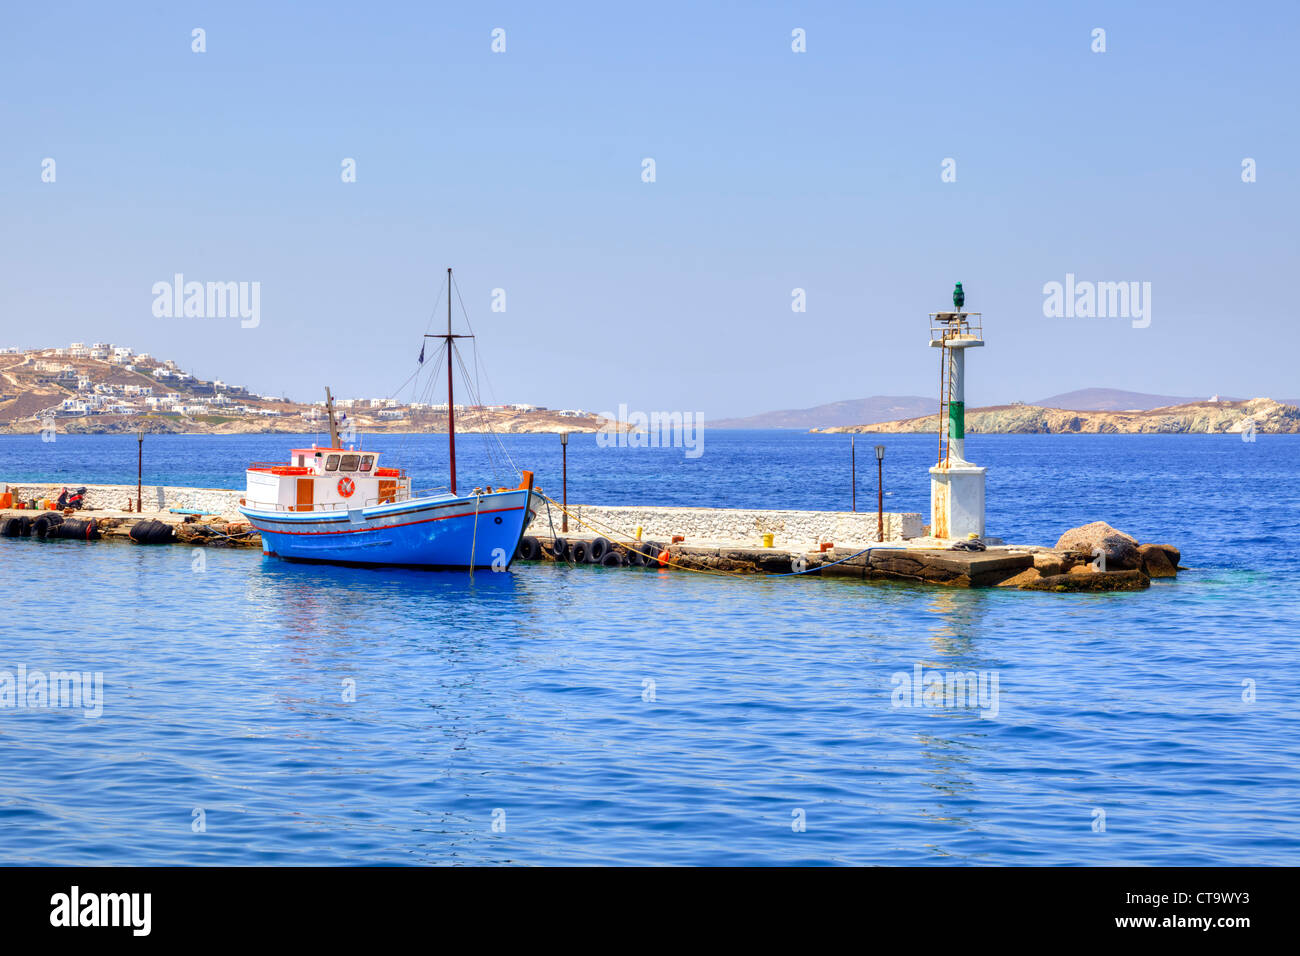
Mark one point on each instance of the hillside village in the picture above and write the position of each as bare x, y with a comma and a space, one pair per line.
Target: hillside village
104, 387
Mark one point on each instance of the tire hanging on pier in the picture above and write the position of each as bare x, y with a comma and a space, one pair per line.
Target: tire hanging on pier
599, 548
612, 559
580, 552
152, 532
557, 549
634, 556
529, 548
75, 529
18, 526
46, 525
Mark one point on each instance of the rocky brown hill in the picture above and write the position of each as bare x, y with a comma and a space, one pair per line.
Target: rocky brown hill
1268, 416
71, 391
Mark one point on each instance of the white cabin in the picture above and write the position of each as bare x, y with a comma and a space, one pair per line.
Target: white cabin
325, 479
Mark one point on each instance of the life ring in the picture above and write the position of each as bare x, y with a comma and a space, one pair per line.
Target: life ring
346, 487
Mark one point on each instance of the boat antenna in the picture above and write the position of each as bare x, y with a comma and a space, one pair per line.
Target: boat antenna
334, 425
451, 403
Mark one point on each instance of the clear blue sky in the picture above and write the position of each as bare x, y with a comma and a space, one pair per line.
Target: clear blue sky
775, 170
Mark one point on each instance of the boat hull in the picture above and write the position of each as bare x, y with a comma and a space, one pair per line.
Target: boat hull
476, 531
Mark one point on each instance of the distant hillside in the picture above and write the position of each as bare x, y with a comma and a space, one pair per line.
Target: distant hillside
104, 388
1269, 417
879, 408
1116, 400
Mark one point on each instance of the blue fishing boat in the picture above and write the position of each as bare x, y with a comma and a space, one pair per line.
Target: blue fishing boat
336, 504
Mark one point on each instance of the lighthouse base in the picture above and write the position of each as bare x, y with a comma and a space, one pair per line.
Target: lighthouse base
957, 501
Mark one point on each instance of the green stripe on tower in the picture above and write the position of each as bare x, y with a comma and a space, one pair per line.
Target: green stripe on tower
956, 419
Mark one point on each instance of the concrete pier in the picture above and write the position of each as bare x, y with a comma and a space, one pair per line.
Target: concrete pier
719, 540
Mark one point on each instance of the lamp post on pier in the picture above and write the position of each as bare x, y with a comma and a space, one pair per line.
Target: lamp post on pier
853, 467
564, 481
139, 467
880, 492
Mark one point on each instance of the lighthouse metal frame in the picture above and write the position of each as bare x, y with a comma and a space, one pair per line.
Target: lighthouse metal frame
953, 333
956, 485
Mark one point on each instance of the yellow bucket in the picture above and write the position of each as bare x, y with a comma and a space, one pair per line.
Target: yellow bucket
767, 540
638, 532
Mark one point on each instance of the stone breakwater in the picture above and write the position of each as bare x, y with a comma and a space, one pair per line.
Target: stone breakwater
790, 530
795, 530
153, 498
1094, 557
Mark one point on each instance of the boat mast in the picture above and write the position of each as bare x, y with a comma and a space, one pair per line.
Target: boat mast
334, 425
451, 405
451, 401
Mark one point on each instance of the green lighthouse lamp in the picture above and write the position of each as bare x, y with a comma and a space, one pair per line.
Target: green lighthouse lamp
958, 297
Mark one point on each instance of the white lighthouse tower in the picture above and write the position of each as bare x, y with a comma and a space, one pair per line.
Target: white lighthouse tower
956, 485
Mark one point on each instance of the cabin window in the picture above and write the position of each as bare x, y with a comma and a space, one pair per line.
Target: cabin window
367, 461
349, 463
332, 463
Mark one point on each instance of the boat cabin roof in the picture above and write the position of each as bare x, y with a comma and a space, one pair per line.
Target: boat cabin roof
336, 459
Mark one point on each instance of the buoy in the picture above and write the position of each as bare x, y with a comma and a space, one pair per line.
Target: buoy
664, 557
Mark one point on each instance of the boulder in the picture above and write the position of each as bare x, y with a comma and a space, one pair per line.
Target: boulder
1023, 579
1051, 562
1121, 550
1132, 580
1159, 560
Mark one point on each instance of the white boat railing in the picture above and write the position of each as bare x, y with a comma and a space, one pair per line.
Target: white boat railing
397, 497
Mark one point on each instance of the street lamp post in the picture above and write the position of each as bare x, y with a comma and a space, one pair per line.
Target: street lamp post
139, 467
880, 492
853, 468
564, 481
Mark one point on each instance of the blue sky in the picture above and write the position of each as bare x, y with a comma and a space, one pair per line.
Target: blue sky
775, 170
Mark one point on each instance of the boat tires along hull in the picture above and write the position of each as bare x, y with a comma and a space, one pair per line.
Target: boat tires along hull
476, 531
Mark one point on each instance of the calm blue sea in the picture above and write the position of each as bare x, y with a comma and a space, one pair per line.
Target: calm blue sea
261, 712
